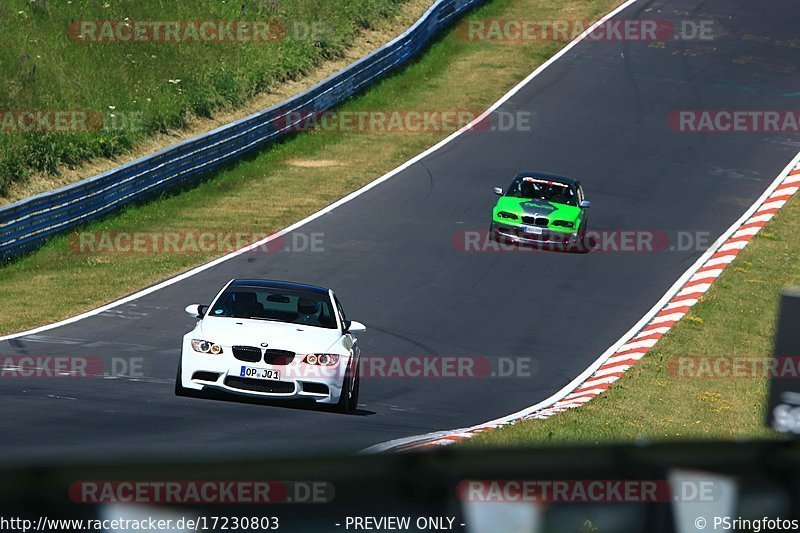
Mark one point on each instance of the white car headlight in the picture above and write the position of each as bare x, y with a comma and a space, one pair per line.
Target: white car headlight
322, 359
199, 345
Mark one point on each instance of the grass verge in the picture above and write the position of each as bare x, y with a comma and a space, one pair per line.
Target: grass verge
290, 180
654, 400
55, 56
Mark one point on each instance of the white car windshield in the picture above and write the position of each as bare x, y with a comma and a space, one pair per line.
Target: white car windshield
259, 303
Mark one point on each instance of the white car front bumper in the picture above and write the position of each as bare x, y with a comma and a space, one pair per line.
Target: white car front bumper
298, 380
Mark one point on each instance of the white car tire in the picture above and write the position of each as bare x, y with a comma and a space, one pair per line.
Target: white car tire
348, 400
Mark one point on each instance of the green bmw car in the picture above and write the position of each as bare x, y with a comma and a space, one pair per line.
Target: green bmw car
541, 209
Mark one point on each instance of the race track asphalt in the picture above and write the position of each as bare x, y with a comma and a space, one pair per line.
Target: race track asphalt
600, 116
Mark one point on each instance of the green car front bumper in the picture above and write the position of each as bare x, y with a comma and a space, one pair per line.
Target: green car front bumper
533, 235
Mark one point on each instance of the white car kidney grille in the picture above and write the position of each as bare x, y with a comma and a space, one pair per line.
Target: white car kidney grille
251, 354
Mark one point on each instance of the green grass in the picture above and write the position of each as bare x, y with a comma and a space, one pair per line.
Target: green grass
735, 318
151, 87
453, 74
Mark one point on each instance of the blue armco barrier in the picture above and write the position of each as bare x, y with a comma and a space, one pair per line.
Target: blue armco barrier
26, 224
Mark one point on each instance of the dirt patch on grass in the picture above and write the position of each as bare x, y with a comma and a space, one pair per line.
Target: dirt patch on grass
320, 163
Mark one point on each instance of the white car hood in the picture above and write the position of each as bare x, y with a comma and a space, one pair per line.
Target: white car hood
278, 335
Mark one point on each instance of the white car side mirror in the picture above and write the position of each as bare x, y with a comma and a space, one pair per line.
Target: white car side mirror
498, 191
196, 310
356, 327
586, 204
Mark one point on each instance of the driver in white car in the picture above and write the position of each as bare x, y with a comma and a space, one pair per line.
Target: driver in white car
309, 311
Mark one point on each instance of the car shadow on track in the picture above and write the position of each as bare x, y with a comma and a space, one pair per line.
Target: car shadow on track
584, 247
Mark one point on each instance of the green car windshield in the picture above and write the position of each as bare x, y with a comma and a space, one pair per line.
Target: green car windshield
542, 189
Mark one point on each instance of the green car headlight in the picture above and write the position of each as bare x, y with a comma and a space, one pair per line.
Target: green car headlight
563, 223
506, 214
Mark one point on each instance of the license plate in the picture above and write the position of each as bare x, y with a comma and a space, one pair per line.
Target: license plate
260, 373
531, 229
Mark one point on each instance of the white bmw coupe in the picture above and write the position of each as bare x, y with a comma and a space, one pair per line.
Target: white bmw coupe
272, 339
